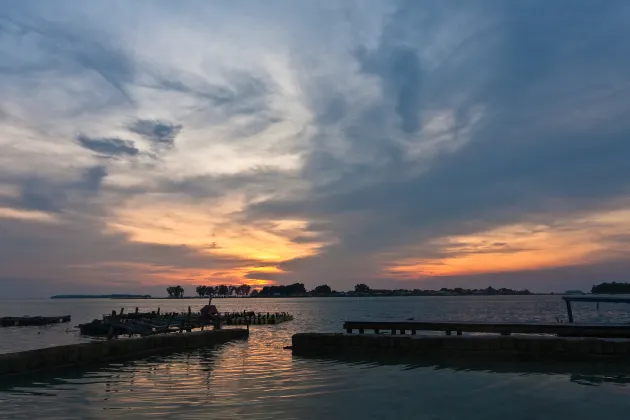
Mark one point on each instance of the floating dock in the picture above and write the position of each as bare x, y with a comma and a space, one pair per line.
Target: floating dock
510, 347
521, 340
112, 350
28, 321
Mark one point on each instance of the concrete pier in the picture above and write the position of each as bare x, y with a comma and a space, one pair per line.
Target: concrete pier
519, 347
112, 350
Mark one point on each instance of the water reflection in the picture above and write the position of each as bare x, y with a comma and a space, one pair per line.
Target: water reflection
257, 379
591, 374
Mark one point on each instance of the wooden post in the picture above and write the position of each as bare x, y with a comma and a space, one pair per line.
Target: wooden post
375, 330
158, 311
110, 332
136, 310
349, 330
361, 331
569, 311
413, 331
402, 332
393, 331
448, 332
459, 332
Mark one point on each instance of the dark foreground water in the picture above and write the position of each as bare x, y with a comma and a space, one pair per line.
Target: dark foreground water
257, 379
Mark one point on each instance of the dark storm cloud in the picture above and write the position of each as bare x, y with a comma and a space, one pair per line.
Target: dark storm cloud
108, 146
552, 140
55, 196
61, 50
399, 69
160, 133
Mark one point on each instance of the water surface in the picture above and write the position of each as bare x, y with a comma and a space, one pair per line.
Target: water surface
258, 379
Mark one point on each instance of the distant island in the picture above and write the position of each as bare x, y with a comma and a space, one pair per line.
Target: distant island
114, 296
299, 290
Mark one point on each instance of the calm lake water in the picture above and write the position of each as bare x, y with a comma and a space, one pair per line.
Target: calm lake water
257, 379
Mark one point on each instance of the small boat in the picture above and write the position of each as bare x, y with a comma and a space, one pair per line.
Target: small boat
28, 321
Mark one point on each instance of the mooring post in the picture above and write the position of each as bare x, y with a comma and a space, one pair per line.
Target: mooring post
158, 311
375, 330
448, 332
136, 310
393, 331
569, 311
459, 332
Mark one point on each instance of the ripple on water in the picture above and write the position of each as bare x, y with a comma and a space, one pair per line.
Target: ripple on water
258, 379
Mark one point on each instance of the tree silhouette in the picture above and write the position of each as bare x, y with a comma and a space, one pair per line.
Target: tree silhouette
362, 288
324, 289
295, 289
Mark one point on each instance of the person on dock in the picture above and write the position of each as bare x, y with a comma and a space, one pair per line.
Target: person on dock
210, 312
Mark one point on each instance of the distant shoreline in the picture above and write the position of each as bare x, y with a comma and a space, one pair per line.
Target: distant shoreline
147, 297
112, 296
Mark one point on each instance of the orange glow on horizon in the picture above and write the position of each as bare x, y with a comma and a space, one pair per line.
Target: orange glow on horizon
519, 248
214, 233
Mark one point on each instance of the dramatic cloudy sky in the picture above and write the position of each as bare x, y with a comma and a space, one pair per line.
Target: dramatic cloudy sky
415, 144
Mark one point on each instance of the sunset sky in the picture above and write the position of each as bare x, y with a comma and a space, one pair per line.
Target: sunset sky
414, 144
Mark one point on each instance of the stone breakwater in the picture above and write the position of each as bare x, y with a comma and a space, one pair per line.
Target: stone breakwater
519, 347
112, 350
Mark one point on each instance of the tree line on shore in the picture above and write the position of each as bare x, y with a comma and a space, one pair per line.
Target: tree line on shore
298, 289
224, 290
613, 288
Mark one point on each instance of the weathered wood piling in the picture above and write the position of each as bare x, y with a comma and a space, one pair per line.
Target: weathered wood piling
112, 350
27, 321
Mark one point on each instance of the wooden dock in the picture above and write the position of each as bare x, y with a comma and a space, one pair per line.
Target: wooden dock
29, 321
502, 328
149, 323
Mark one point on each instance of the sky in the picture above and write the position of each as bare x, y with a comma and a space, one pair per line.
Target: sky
402, 144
